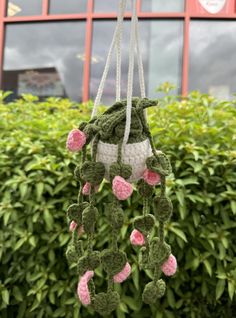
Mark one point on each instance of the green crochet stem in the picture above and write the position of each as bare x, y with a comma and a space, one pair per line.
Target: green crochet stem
80, 195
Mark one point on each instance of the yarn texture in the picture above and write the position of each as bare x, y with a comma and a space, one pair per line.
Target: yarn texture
123, 275
83, 290
137, 238
122, 153
105, 133
152, 178
170, 266
121, 188
76, 140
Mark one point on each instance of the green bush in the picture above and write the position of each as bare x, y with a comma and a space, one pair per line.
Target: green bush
37, 185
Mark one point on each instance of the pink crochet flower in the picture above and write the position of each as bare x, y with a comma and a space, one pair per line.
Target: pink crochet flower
87, 188
73, 226
76, 140
83, 290
121, 188
170, 266
137, 238
151, 177
123, 275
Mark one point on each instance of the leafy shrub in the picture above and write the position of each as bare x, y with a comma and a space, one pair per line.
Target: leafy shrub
37, 185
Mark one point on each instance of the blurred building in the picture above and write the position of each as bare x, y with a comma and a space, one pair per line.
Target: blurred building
59, 47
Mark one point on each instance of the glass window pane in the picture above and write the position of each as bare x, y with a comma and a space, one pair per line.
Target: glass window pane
212, 57
24, 7
49, 62
163, 5
162, 43
68, 6
109, 6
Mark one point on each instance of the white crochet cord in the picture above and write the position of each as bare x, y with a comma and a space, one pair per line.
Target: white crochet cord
118, 51
116, 38
130, 76
140, 61
134, 45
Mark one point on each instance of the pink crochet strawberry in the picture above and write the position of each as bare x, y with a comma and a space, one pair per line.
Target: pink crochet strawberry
121, 188
170, 266
76, 140
137, 238
83, 290
151, 177
123, 275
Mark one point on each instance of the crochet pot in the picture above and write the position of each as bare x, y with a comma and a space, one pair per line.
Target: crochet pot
122, 151
134, 154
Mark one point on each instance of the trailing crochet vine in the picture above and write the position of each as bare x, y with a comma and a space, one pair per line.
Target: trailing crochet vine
137, 162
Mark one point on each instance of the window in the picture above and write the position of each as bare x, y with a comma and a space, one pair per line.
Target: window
161, 44
109, 6
24, 7
212, 57
163, 5
49, 62
68, 6
162, 53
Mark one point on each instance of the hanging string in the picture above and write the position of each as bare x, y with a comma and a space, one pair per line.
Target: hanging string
116, 36
118, 51
139, 59
116, 42
130, 76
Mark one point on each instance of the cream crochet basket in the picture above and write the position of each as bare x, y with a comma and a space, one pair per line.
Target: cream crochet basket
134, 154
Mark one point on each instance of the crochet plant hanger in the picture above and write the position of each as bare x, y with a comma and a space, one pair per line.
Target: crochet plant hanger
123, 153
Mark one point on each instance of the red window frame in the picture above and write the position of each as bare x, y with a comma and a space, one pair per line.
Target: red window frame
192, 11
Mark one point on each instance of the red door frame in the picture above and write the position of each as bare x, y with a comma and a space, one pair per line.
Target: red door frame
193, 10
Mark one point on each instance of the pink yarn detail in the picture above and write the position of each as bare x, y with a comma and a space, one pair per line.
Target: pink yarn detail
123, 275
137, 238
170, 266
121, 188
87, 188
83, 290
80, 230
73, 226
76, 140
151, 177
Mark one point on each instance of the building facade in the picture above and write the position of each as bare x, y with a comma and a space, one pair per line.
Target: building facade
59, 47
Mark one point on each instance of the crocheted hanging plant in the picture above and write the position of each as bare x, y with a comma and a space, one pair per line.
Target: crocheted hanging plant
150, 168
123, 153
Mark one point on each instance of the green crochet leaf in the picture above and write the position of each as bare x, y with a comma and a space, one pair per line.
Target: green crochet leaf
159, 164
162, 208
152, 292
74, 212
159, 252
105, 303
90, 131
89, 262
93, 172
120, 169
113, 261
144, 223
144, 189
116, 218
89, 217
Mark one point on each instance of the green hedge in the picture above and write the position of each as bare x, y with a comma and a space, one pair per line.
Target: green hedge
36, 186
